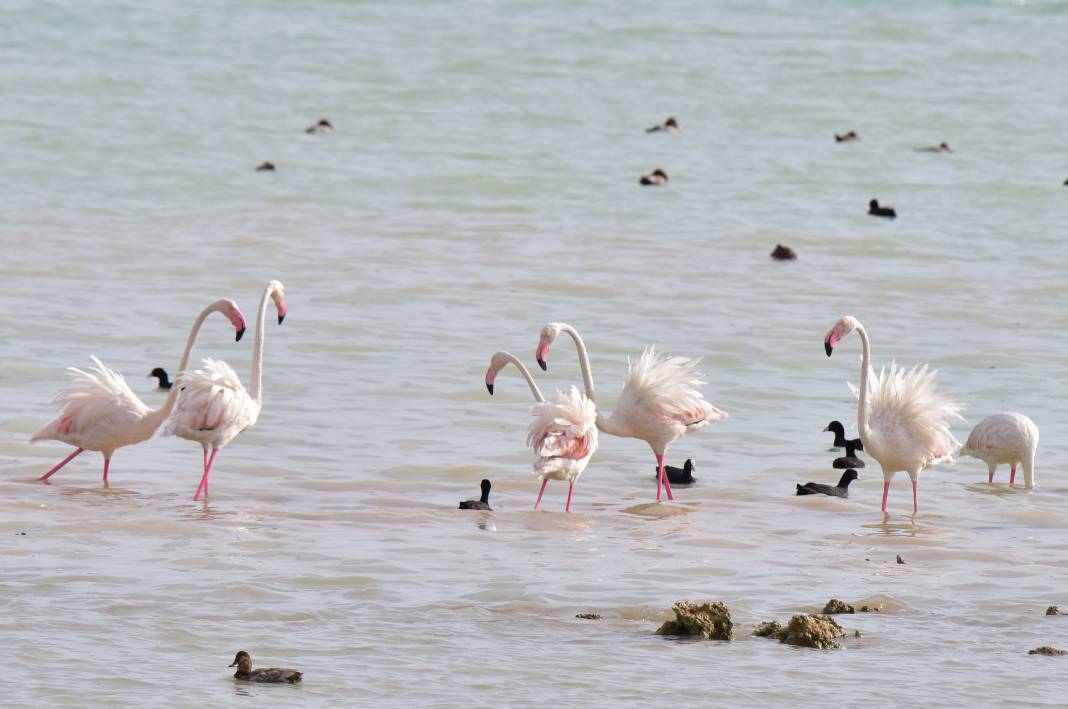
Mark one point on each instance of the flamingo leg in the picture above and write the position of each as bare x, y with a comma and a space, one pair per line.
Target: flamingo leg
886, 491
990, 479
667, 483
570, 489
659, 476
63, 462
203, 487
107, 464
544, 482
915, 496
1012, 476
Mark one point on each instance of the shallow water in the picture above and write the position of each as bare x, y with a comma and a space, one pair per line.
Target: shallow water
481, 182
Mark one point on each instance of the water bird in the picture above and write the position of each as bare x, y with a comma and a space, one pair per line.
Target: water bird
266, 166
902, 416
563, 433
783, 253
1005, 438
849, 460
940, 148
481, 503
273, 675
323, 126
160, 374
876, 211
839, 490
660, 402
846, 137
840, 441
99, 412
656, 177
669, 125
215, 407
680, 476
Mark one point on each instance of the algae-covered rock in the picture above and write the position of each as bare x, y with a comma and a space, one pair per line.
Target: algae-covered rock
1047, 650
588, 616
1054, 610
900, 560
813, 631
769, 628
867, 609
710, 620
835, 606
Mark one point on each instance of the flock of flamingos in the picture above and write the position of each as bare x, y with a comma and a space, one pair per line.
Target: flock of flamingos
903, 416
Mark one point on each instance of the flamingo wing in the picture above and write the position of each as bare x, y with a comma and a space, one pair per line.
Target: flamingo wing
563, 434
211, 399
668, 388
93, 398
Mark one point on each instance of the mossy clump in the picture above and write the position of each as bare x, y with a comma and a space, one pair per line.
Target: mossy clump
817, 631
900, 560
768, 629
709, 620
868, 609
834, 606
588, 616
1054, 610
1047, 650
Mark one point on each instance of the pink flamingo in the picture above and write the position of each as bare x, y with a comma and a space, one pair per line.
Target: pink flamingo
563, 433
99, 412
1005, 438
902, 416
661, 399
214, 407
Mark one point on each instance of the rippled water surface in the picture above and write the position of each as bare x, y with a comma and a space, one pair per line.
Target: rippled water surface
482, 181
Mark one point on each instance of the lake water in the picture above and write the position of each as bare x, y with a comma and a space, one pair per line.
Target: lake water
481, 182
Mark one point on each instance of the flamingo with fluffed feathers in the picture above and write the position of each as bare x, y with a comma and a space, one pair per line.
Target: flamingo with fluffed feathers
902, 415
214, 406
660, 402
1005, 438
99, 412
563, 433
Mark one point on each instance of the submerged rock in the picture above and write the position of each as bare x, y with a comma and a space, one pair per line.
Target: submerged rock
768, 629
783, 253
834, 606
588, 616
868, 609
1047, 650
709, 620
900, 560
1054, 610
817, 631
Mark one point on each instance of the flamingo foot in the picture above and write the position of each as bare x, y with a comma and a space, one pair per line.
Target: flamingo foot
107, 464
63, 462
570, 489
537, 503
886, 491
203, 487
1012, 476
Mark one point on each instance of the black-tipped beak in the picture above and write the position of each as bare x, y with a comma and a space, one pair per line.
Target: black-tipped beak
827, 347
489, 388
233, 664
240, 334
281, 318
543, 365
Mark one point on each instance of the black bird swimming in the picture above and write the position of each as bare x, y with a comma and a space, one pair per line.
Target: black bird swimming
266, 166
656, 177
850, 459
876, 211
840, 490
840, 441
323, 126
846, 137
669, 125
783, 253
482, 504
681, 476
940, 148
276, 675
164, 381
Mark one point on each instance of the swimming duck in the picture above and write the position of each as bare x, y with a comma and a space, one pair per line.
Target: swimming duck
323, 126
846, 137
656, 177
669, 125
783, 253
266, 166
839, 490
850, 459
940, 148
840, 441
164, 381
681, 476
876, 211
482, 504
243, 663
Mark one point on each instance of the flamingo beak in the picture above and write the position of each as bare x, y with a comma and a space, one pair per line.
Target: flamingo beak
543, 352
489, 387
282, 310
240, 334
828, 347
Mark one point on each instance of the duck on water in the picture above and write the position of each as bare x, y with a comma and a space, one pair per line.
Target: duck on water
480, 504
839, 490
273, 675
840, 441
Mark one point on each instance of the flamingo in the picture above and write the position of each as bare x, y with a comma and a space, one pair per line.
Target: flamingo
1005, 438
563, 433
902, 416
660, 402
214, 407
99, 412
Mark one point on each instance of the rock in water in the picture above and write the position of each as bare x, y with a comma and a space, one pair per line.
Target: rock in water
709, 620
835, 606
1046, 650
900, 560
1054, 610
817, 631
588, 616
769, 629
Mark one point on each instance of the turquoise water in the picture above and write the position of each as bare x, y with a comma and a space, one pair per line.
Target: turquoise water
482, 181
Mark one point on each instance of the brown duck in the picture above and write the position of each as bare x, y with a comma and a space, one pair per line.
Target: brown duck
243, 663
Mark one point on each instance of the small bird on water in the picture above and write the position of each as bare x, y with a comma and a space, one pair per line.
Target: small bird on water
840, 441
850, 459
846, 137
481, 504
681, 476
669, 125
266, 166
783, 253
274, 675
656, 177
323, 126
839, 490
876, 211
160, 373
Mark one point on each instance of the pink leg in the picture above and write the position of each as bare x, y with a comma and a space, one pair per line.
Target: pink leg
659, 477
667, 485
1012, 476
544, 482
203, 487
63, 462
107, 464
570, 489
915, 497
886, 491
990, 479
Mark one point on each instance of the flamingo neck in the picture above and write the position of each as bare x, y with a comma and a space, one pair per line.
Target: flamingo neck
584, 363
865, 367
257, 349
526, 375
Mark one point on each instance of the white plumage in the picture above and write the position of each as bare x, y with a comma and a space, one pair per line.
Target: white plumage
902, 415
1005, 438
